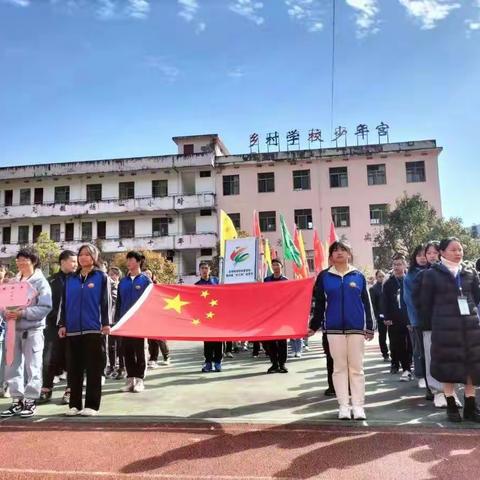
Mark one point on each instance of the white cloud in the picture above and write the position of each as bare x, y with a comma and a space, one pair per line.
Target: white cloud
105, 9
188, 11
237, 72
249, 9
366, 16
474, 24
430, 12
18, 3
138, 8
169, 72
307, 12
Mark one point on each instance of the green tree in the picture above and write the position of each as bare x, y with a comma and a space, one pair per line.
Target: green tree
48, 252
414, 222
163, 269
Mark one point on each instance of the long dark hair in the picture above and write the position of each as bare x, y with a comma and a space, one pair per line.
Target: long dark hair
413, 257
93, 252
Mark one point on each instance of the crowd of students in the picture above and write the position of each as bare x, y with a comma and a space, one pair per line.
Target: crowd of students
426, 315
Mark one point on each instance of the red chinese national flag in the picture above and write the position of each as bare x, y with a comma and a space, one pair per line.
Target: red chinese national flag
251, 311
332, 234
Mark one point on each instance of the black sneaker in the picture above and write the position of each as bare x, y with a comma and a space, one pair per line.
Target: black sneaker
394, 370
283, 369
121, 375
29, 408
15, 409
45, 396
66, 397
329, 392
110, 372
273, 369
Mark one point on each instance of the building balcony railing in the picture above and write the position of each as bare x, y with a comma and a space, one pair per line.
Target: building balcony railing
109, 206
114, 245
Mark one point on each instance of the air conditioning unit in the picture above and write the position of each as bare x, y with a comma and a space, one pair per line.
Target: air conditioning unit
374, 221
343, 223
156, 234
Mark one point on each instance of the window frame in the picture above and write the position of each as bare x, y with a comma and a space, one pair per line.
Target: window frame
304, 223
301, 179
411, 176
343, 175
266, 184
375, 175
263, 217
233, 184
335, 216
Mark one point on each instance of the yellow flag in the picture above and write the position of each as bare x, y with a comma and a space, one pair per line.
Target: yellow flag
302, 251
227, 231
268, 257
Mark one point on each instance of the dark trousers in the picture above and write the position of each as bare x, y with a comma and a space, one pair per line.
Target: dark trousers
326, 350
256, 349
213, 351
154, 348
116, 350
85, 354
228, 347
400, 346
382, 338
135, 361
277, 351
53, 357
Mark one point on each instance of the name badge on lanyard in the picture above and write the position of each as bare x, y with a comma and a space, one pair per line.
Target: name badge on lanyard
399, 299
462, 299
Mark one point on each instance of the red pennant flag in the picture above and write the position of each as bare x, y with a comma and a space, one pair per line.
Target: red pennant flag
332, 235
256, 225
319, 253
258, 311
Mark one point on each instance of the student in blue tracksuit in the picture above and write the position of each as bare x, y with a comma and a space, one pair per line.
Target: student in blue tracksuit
130, 289
84, 318
343, 310
213, 351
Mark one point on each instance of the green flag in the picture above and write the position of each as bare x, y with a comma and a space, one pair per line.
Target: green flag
290, 251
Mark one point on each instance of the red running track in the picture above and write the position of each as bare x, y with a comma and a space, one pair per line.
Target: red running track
233, 452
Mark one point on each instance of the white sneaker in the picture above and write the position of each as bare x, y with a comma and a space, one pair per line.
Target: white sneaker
72, 412
89, 412
457, 400
166, 361
359, 413
229, 355
344, 413
439, 400
128, 387
56, 380
306, 348
63, 376
103, 380
139, 386
422, 383
406, 376
152, 364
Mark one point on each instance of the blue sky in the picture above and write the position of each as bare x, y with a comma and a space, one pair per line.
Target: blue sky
88, 79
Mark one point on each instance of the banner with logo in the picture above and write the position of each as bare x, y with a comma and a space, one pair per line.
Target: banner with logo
241, 260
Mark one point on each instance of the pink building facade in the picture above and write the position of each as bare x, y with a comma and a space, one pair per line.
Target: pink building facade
352, 185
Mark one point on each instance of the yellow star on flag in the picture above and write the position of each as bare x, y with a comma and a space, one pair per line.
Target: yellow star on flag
214, 303
175, 303
205, 293
210, 315
196, 321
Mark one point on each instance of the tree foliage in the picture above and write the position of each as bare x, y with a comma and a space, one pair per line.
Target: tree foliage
414, 222
48, 252
163, 269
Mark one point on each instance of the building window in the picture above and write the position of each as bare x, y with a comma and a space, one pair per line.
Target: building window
126, 228
303, 219
94, 192
62, 194
8, 200
126, 190
268, 221
102, 230
188, 149
159, 227
266, 182
338, 177
205, 173
235, 219
231, 185
7, 235
25, 196
159, 188
69, 232
37, 230
87, 231
415, 171
301, 179
23, 234
205, 212
205, 252
38, 196
376, 174
55, 232
378, 214
341, 216
310, 254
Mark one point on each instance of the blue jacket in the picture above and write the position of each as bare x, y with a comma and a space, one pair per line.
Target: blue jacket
408, 289
2, 330
210, 281
342, 304
86, 303
129, 291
